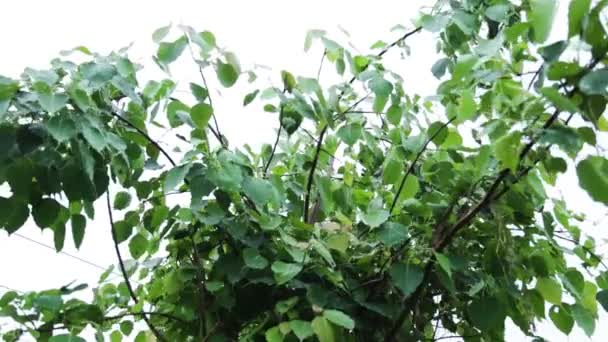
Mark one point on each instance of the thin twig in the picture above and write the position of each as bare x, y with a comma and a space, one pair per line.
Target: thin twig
413, 164
324, 129
585, 248
123, 270
311, 174
466, 219
200, 287
142, 133
218, 135
321, 65
149, 313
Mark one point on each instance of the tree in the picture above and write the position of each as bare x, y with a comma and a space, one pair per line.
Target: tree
374, 215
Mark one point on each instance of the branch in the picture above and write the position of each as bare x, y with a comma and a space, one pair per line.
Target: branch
585, 248
276, 142
142, 133
324, 129
396, 42
123, 270
144, 313
311, 174
413, 164
218, 135
200, 287
321, 65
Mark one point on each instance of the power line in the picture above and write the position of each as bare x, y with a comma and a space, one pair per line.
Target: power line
61, 252
75, 257
9, 288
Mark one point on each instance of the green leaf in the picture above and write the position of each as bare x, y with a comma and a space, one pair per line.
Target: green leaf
175, 177
273, 335
444, 262
339, 318
360, 63
561, 102
338, 242
584, 319
487, 314
498, 13
253, 259
467, 108
61, 128
350, 133
97, 74
506, 150
17, 213
169, 52
592, 175
323, 329
284, 272
122, 200
552, 52
289, 82
577, 11
46, 212
260, 191
391, 171
406, 277
375, 217
439, 68
561, 319
138, 246
550, 289
410, 188
52, 102
79, 223
602, 298
301, 329
380, 86
393, 114
48, 302
126, 327
594, 82
8, 88
392, 233
200, 93
226, 73
250, 97
178, 113
122, 230
565, 137
541, 17
160, 33
439, 131
200, 114
66, 338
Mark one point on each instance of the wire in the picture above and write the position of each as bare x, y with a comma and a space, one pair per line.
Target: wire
90, 263
61, 252
9, 288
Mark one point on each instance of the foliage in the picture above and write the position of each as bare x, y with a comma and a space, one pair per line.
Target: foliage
396, 215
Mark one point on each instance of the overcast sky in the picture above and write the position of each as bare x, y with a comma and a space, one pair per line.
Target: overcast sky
269, 32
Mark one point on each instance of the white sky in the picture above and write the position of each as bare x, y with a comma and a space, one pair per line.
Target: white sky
269, 32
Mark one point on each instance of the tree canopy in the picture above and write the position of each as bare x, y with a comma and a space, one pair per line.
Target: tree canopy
373, 215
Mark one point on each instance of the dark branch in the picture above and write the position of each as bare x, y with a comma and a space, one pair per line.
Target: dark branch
144, 313
123, 270
142, 133
410, 170
311, 174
